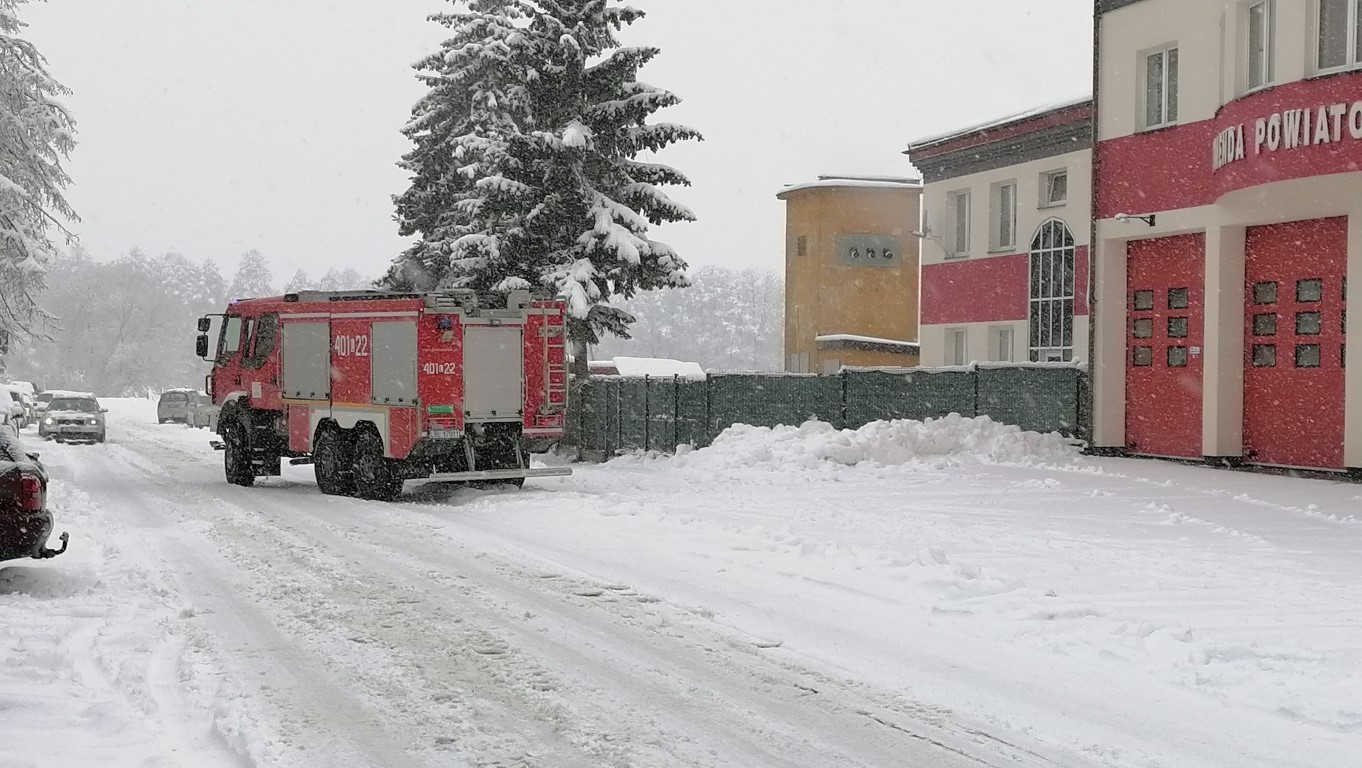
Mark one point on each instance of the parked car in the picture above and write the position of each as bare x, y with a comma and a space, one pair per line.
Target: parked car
178, 405
25, 521
75, 418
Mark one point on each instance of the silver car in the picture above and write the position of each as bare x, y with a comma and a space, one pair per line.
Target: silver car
179, 405
73, 419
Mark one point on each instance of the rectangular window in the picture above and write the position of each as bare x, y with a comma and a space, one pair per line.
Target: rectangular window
1177, 357
802, 245
1161, 87
1307, 355
1177, 327
1262, 18
1144, 300
1338, 41
956, 350
1054, 188
1309, 291
1000, 344
1265, 324
1264, 355
1142, 328
1142, 357
1004, 215
960, 223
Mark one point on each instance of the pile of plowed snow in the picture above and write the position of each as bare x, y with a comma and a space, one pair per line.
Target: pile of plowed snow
817, 444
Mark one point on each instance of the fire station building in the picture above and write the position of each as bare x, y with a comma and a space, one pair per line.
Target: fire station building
1005, 239
1228, 214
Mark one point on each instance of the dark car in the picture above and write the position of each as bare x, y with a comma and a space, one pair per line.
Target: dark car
25, 522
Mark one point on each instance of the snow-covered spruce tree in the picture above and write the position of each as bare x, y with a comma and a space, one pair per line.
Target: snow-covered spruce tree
36, 134
525, 174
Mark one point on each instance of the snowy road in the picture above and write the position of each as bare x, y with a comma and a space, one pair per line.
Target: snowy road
748, 605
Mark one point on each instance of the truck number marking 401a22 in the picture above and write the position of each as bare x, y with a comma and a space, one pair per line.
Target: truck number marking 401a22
375, 388
352, 346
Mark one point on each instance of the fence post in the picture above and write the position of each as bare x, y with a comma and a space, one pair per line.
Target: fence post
647, 415
974, 372
842, 374
676, 411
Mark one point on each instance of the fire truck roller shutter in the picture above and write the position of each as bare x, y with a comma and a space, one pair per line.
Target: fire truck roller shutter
306, 356
494, 376
393, 363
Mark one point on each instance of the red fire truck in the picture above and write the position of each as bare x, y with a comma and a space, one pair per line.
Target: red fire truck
375, 388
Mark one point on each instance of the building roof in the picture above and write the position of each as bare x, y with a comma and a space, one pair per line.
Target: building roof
1036, 113
855, 182
1045, 131
872, 343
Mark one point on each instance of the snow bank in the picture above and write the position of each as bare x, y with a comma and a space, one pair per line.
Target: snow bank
816, 444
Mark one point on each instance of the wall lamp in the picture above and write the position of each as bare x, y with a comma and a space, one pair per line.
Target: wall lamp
925, 234
1132, 217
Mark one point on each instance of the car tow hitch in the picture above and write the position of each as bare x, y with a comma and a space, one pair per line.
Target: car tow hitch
45, 553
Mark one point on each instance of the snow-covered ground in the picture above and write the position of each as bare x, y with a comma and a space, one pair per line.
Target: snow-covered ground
954, 595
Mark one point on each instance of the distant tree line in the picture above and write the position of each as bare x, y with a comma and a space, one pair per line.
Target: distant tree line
126, 326
728, 320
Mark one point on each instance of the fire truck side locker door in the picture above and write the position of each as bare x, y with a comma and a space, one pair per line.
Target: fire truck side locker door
306, 356
494, 376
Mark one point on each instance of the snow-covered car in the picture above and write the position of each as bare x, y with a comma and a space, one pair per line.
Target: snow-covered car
25, 521
7, 426
76, 418
13, 400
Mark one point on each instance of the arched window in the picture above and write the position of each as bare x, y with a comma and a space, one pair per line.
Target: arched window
1052, 292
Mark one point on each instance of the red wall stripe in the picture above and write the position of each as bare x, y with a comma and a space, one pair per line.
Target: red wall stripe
989, 290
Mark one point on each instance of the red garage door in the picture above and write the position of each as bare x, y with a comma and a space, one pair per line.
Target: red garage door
1165, 307
1293, 375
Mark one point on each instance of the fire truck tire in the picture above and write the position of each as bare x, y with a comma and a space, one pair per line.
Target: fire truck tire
376, 477
332, 457
236, 455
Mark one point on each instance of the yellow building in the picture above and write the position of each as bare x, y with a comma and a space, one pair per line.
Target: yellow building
851, 272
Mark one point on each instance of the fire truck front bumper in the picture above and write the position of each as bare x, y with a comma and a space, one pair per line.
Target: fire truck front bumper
499, 474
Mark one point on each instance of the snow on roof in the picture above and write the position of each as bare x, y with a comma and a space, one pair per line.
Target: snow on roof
1054, 106
857, 339
860, 182
66, 393
657, 366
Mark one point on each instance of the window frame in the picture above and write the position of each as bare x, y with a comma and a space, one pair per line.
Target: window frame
1170, 75
998, 215
1269, 46
1351, 57
953, 244
957, 346
1047, 188
1051, 297
999, 351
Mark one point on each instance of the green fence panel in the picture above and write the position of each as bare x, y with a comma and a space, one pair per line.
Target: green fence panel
633, 414
771, 399
908, 394
661, 397
692, 413
1038, 398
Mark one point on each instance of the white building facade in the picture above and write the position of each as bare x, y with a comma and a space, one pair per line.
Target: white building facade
1005, 238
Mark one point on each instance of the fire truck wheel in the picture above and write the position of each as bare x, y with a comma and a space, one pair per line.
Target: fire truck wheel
375, 476
331, 459
236, 456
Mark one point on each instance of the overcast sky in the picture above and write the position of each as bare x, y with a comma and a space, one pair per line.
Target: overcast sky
211, 127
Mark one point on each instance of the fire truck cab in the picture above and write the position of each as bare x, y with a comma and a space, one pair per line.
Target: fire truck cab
375, 388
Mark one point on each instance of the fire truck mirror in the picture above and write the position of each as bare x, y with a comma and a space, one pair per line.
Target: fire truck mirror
204, 324
201, 345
